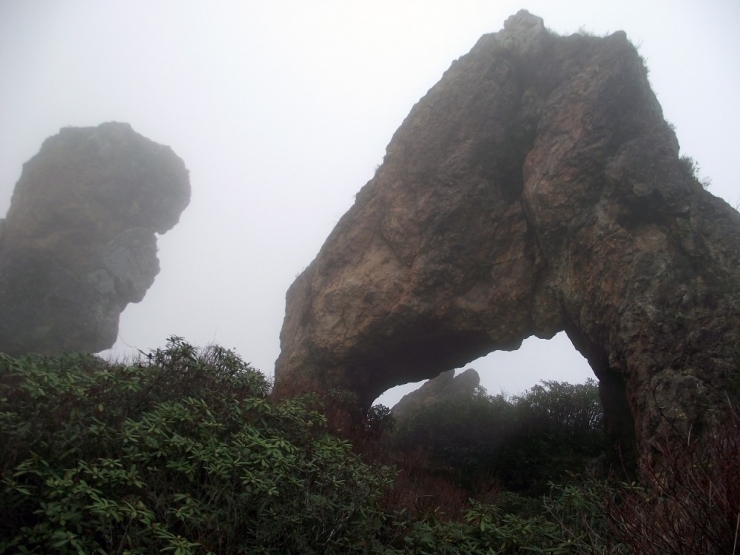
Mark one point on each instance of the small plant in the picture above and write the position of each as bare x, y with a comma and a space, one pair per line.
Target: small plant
692, 166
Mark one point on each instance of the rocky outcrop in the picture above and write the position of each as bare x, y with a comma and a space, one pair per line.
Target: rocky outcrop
445, 387
78, 243
536, 188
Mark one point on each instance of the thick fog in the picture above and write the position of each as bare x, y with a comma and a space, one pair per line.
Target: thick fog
282, 110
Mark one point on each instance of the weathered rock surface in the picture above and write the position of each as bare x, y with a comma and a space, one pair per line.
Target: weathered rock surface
536, 188
445, 387
78, 243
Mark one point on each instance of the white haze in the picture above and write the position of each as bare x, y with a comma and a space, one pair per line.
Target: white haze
282, 110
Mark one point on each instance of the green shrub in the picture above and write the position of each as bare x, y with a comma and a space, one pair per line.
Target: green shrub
184, 452
580, 509
180, 453
526, 442
572, 520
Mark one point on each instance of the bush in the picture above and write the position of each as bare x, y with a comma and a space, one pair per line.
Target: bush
179, 453
688, 504
580, 509
526, 442
558, 429
572, 520
184, 452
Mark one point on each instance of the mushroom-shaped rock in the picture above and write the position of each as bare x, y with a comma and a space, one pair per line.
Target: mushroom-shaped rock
78, 243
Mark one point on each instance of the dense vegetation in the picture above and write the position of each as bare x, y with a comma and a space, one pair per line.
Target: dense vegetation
524, 442
184, 452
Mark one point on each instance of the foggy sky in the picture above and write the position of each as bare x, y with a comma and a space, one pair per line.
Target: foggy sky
281, 111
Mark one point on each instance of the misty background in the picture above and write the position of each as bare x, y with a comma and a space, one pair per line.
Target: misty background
282, 110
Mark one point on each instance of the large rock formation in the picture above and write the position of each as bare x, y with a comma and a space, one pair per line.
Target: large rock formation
536, 188
78, 241
445, 387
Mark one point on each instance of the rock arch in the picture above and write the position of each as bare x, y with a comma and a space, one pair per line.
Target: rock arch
536, 188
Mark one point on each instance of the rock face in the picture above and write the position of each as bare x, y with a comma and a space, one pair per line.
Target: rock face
536, 188
78, 241
445, 387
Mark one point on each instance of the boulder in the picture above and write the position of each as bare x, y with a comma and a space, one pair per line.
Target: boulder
445, 387
78, 243
536, 188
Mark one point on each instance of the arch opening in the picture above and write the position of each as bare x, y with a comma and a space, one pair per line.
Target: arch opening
513, 372
559, 359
